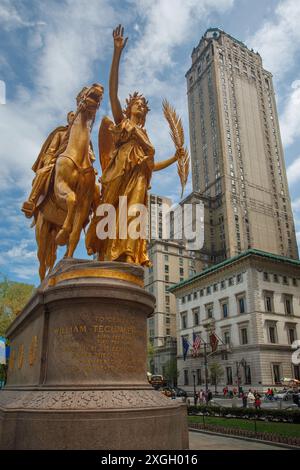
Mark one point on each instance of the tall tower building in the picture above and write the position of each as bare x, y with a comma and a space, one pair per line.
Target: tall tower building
238, 164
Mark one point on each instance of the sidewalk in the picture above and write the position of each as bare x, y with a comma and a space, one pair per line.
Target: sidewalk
205, 441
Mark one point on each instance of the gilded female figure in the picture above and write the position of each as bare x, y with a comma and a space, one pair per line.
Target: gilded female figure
127, 165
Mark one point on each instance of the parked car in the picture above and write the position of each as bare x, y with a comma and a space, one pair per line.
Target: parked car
284, 395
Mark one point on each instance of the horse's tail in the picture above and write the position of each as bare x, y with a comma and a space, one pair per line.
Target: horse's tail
45, 233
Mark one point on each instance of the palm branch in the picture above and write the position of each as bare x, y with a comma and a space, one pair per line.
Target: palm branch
177, 135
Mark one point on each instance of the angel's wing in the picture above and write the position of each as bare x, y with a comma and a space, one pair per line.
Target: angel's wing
105, 142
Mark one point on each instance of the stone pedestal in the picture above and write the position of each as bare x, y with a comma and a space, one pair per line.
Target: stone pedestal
77, 372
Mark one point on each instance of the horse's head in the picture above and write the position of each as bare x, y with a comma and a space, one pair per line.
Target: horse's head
89, 98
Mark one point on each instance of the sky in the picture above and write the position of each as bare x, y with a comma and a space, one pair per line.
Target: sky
50, 49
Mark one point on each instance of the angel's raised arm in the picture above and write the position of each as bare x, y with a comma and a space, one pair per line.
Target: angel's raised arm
119, 44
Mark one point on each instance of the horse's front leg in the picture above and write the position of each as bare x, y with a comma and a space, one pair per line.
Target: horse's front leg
80, 217
65, 195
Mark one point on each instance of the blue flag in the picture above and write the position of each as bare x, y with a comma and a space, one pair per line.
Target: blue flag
185, 347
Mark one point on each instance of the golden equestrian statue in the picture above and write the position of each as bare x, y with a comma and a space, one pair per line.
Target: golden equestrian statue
64, 189
127, 161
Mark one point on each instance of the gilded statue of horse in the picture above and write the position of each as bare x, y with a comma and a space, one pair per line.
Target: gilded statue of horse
64, 210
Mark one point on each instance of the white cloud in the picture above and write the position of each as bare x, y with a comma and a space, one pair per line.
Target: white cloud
11, 18
75, 37
278, 40
296, 206
166, 24
290, 117
293, 171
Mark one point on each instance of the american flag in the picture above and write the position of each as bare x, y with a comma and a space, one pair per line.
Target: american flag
196, 345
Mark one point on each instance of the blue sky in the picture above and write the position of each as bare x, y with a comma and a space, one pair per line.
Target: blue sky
50, 49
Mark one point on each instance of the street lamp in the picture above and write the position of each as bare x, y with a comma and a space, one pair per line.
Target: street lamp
194, 379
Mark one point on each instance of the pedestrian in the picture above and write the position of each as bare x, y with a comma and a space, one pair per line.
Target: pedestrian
245, 399
209, 396
257, 402
250, 397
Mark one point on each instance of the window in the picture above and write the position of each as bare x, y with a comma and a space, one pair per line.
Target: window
285, 280
247, 375
189, 297
226, 337
266, 276
244, 336
209, 311
229, 375
225, 309
292, 335
196, 316
183, 300
208, 290
198, 375
215, 287
222, 284
167, 298
272, 334
201, 292
269, 302
184, 320
186, 377
230, 281
276, 373
166, 257
166, 269
296, 370
239, 278
288, 304
241, 301
195, 295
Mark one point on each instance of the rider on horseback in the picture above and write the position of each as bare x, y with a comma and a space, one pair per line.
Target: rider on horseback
54, 145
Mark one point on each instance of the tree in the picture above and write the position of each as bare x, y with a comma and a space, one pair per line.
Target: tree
13, 298
150, 357
216, 373
170, 371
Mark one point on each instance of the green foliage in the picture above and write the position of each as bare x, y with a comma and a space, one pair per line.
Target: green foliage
283, 415
285, 429
150, 356
170, 370
13, 297
216, 373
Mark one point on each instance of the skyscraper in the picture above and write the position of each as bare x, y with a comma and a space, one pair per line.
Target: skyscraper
238, 164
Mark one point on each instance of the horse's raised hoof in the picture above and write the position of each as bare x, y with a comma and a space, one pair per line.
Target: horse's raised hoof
28, 209
62, 237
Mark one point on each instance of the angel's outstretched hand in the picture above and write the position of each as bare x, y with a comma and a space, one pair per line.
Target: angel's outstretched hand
119, 41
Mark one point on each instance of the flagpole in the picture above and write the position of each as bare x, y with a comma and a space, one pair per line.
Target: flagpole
206, 370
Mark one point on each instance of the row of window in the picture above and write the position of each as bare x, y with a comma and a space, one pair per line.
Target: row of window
276, 278
213, 288
209, 311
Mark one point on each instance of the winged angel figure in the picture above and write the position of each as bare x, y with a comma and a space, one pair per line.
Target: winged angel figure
127, 161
